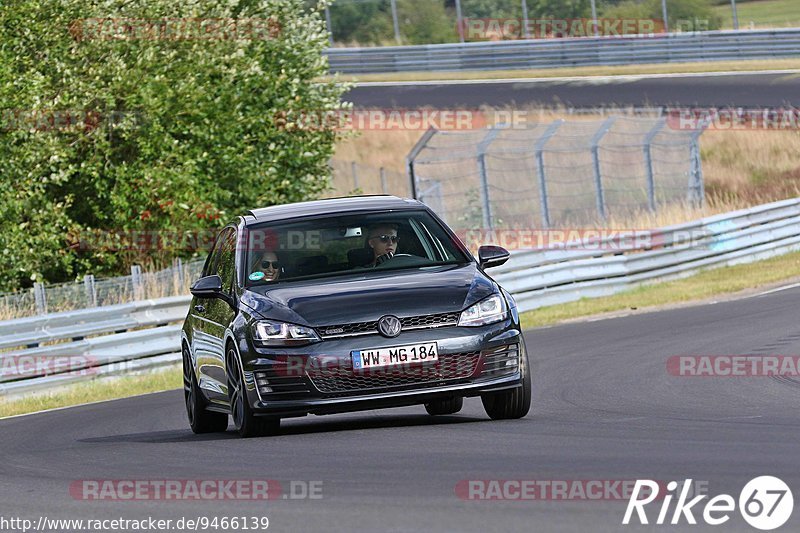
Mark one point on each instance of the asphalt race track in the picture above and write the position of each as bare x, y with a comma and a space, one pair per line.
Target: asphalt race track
605, 408
704, 90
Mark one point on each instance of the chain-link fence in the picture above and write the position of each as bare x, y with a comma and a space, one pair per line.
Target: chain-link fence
558, 173
91, 292
350, 177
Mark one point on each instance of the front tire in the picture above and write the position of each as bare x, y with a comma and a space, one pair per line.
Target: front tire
200, 420
447, 406
515, 403
247, 424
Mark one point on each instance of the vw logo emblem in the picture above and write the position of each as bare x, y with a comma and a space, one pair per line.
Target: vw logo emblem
389, 326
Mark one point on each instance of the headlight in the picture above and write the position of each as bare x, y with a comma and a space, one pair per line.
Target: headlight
273, 333
487, 311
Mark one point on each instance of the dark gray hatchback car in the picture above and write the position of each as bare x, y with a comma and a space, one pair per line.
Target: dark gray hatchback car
343, 305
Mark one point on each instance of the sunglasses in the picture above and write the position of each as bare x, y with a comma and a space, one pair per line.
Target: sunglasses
386, 238
274, 264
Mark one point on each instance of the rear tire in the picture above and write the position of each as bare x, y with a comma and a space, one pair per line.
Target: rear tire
247, 424
514, 403
447, 406
200, 420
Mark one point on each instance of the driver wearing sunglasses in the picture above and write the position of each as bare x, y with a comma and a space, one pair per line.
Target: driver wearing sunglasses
383, 241
269, 265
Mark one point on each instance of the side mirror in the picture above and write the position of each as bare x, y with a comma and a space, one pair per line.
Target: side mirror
207, 287
492, 256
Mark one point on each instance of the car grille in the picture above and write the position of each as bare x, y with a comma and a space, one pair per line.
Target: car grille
500, 361
343, 378
279, 384
407, 323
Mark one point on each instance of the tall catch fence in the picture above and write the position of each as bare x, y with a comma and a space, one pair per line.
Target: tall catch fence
556, 174
351, 176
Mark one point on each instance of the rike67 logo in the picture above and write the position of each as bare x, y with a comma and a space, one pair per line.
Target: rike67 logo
765, 503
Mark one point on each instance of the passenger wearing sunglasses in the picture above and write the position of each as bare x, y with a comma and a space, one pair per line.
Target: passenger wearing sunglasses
383, 241
269, 265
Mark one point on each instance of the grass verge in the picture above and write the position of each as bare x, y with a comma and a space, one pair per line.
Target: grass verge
706, 284
762, 14
654, 68
94, 391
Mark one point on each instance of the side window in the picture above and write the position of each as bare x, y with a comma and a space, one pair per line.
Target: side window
210, 266
226, 267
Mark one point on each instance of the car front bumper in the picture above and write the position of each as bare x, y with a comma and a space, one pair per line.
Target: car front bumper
472, 361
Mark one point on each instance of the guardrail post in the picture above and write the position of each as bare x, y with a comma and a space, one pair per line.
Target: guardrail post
412, 156
486, 204
598, 178
91, 291
648, 163
383, 180
40, 298
540, 171
136, 282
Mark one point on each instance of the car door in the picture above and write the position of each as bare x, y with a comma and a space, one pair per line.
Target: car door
213, 316
199, 343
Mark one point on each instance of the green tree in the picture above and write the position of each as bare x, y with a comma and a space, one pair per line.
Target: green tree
173, 134
684, 15
362, 22
425, 22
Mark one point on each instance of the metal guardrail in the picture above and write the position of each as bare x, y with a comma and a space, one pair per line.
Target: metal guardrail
89, 343
540, 278
536, 278
583, 51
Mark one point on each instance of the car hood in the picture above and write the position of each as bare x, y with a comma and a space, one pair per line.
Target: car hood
367, 297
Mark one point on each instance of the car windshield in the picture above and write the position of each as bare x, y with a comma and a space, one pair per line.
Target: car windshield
336, 245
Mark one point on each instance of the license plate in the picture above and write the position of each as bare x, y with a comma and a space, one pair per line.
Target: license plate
395, 355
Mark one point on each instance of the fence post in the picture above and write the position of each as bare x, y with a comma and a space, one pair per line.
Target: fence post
648, 164
486, 202
40, 297
178, 267
539, 149
383, 180
697, 191
598, 178
412, 156
136, 282
696, 187
91, 291
355, 174
328, 25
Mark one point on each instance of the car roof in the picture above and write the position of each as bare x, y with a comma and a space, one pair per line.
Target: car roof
377, 202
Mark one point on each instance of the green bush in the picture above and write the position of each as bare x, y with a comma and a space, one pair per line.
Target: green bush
172, 135
684, 15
